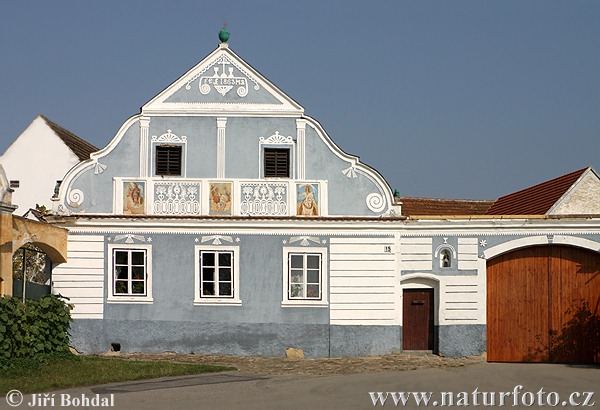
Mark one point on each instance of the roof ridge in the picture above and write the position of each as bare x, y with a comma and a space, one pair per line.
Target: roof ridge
536, 199
78, 145
579, 171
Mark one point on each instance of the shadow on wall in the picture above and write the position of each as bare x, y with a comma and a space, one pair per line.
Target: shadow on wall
577, 342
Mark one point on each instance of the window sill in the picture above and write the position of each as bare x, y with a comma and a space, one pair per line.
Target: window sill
305, 303
217, 302
129, 299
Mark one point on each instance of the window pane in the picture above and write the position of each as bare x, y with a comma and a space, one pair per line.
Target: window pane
312, 261
121, 272
208, 274
224, 289
224, 259
296, 291
312, 276
208, 288
121, 258
296, 261
225, 274
137, 287
137, 272
121, 287
137, 258
208, 259
296, 276
312, 291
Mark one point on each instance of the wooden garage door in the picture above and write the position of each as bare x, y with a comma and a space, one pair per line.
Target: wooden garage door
543, 305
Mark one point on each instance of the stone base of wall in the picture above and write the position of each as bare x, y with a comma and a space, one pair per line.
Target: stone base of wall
90, 336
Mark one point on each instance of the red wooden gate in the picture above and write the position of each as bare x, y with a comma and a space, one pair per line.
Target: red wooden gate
543, 305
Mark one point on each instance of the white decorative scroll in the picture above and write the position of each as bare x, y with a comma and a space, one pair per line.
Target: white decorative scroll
223, 78
350, 172
216, 239
176, 198
305, 240
264, 199
75, 198
129, 238
276, 139
99, 168
375, 202
169, 137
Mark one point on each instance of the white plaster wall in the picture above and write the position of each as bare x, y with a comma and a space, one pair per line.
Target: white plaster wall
81, 279
37, 159
583, 198
363, 282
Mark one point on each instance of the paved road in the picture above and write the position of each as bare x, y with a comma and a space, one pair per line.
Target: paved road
232, 390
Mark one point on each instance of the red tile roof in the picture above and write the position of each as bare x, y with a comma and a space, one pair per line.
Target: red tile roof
536, 200
435, 206
79, 146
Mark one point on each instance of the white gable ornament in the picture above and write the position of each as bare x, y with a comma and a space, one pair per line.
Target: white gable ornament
223, 78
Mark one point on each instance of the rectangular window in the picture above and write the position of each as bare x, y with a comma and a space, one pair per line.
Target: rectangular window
14, 184
305, 277
168, 160
216, 269
130, 268
217, 275
276, 163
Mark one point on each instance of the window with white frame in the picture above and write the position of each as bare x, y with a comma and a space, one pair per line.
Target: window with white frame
130, 269
305, 276
217, 275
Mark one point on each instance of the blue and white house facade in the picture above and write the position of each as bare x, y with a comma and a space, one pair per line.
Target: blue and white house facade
223, 220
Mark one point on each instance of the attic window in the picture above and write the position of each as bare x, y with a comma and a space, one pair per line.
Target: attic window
14, 184
168, 160
277, 163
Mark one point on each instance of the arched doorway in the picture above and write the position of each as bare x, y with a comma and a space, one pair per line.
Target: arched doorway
543, 305
420, 302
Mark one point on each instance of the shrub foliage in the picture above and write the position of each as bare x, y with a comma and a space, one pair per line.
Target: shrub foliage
34, 329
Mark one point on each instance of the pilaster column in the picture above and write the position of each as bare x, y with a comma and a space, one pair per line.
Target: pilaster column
6, 248
300, 147
221, 126
144, 150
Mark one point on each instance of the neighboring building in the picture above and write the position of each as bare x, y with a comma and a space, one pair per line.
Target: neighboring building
221, 219
38, 159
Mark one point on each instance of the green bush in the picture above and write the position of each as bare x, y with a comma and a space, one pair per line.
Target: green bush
34, 329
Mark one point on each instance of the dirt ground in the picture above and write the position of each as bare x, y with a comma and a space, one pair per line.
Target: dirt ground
283, 366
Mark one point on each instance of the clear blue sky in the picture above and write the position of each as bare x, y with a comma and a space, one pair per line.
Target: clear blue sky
455, 99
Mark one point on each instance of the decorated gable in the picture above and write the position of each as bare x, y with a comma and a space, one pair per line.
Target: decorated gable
223, 141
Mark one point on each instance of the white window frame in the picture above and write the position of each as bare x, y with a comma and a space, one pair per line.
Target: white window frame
216, 300
111, 297
286, 301
169, 138
278, 142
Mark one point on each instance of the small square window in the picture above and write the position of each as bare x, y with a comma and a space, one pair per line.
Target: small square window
276, 163
168, 160
14, 184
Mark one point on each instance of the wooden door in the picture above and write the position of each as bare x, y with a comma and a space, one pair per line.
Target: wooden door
543, 305
417, 319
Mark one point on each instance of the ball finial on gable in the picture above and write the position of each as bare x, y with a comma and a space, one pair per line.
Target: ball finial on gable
224, 34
